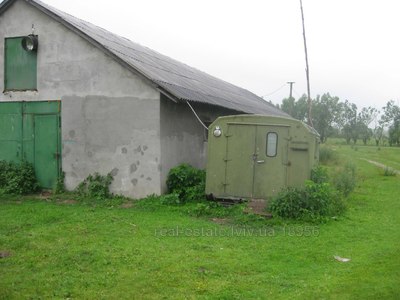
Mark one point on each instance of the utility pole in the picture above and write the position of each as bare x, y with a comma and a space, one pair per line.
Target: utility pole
291, 88
307, 68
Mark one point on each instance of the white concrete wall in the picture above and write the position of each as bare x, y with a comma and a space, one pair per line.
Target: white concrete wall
110, 116
118, 135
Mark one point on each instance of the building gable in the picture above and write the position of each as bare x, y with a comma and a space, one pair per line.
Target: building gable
175, 79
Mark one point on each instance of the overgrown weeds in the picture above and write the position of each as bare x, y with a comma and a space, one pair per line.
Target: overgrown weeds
387, 171
344, 179
60, 187
324, 196
319, 174
95, 186
327, 155
187, 182
312, 202
17, 178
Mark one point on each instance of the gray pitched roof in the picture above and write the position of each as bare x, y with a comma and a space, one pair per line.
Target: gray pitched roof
177, 79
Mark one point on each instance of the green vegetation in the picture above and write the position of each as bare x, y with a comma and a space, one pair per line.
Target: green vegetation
17, 178
311, 202
344, 178
323, 196
388, 156
389, 172
333, 118
56, 247
327, 155
188, 182
95, 186
60, 187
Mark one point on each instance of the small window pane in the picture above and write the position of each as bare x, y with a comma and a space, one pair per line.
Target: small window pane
272, 144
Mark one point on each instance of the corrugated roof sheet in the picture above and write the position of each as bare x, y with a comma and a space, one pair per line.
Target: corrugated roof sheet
179, 79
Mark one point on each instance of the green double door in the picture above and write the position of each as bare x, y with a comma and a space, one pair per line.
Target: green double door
256, 164
30, 131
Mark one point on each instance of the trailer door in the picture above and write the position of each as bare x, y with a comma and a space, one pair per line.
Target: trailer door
271, 159
239, 160
256, 160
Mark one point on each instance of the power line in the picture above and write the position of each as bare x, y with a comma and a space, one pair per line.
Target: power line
297, 93
277, 90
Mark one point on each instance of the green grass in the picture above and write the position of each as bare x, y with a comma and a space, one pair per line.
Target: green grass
61, 250
389, 156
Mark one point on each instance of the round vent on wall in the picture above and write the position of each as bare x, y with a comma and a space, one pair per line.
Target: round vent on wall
30, 43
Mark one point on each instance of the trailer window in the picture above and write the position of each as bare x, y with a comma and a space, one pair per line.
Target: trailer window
272, 144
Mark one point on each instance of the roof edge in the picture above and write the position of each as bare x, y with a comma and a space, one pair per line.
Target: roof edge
5, 4
90, 40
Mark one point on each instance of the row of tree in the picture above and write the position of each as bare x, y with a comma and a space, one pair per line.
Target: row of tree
334, 118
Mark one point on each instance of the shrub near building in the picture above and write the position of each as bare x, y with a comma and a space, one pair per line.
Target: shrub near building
319, 198
17, 178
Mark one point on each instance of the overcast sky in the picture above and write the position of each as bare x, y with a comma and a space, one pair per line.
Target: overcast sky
354, 45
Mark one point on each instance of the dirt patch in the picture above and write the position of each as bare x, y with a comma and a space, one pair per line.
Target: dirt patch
258, 207
126, 205
44, 195
68, 201
220, 221
4, 254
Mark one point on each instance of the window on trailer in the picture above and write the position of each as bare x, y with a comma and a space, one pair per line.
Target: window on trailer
272, 144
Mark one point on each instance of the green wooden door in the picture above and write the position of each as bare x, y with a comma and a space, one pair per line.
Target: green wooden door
10, 131
46, 152
30, 131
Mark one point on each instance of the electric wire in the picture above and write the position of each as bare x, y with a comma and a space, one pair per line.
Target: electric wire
194, 112
298, 94
277, 90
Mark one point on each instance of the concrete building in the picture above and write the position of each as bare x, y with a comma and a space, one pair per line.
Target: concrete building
79, 99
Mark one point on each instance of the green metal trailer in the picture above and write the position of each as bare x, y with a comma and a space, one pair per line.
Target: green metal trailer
255, 156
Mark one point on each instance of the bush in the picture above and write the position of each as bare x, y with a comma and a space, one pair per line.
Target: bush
96, 186
17, 178
208, 209
327, 155
188, 182
311, 202
289, 203
344, 179
170, 199
389, 172
319, 174
60, 187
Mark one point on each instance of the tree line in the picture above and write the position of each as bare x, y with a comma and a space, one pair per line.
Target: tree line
334, 118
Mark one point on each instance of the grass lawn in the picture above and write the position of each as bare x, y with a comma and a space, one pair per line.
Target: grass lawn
62, 249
